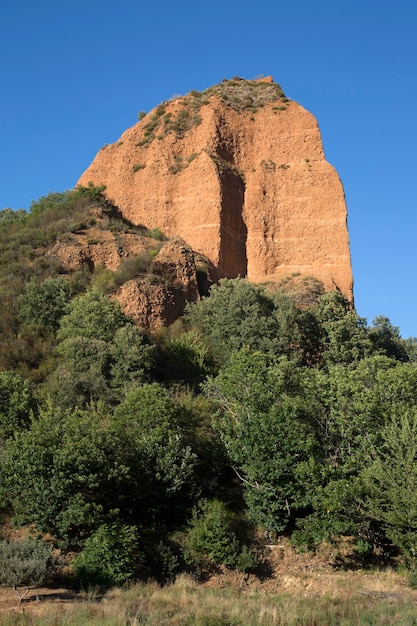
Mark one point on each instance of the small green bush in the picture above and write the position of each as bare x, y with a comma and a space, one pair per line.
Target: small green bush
155, 233
211, 536
104, 280
132, 266
17, 404
177, 166
109, 557
44, 303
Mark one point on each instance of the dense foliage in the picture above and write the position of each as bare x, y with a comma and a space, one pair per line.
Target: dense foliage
264, 410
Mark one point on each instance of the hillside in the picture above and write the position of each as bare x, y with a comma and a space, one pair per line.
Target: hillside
158, 420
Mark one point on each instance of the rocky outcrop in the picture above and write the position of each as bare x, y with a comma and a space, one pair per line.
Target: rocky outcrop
239, 173
153, 280
160, 298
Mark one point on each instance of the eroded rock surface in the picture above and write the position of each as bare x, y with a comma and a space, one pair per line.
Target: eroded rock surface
239, 173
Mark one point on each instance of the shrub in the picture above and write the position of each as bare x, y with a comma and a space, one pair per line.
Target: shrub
155, 233
412, 579
109, 557
187, 357
94, 316
16, 403
211, 536
24, 563
104, 280
44, 303
390, 480
164, 561
134, 265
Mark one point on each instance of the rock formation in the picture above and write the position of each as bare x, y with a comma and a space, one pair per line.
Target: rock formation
152, 279
238, 172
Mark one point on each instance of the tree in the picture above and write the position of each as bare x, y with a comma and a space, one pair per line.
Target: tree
211, 535
101, 352
161, 461
64, 474
146, 407
132, 358
44, 303
386, 339
83, 376
8, 216
390, 483
75, 470
109, 556
16, 403
268, 430
355, 403
344, 335
240, 314
93, 315
24, 563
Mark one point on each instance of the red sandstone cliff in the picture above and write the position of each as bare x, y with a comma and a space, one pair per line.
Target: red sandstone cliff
238, 172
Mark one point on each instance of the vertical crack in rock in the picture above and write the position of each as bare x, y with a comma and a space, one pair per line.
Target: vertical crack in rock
233, 259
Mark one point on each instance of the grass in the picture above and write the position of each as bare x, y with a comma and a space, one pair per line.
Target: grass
186, 603
138, 166
180, 164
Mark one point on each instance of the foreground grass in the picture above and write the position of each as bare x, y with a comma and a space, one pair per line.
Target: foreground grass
185, 603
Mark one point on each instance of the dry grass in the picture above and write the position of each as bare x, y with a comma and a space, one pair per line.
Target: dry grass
301, 590
187, 603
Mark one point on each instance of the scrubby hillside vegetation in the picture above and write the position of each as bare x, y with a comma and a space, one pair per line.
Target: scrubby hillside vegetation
264, 410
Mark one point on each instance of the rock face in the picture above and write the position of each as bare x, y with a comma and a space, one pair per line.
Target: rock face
153, 280
238, 172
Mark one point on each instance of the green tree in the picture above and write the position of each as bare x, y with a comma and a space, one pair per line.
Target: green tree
239, 314
355, 402
101, 352
146, 407
16, 403
92, 370
132, 357
24, 563
390, 483
94, 316
344, 335
8, 216
386, 339
64, 474
161, 461
75, 470
268, 430
211, 535
83, 375
44, 303
109, 557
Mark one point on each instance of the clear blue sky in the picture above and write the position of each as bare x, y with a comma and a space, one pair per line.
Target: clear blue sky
74, 75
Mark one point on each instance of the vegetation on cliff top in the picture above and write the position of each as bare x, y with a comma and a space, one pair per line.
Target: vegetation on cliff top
237, 93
